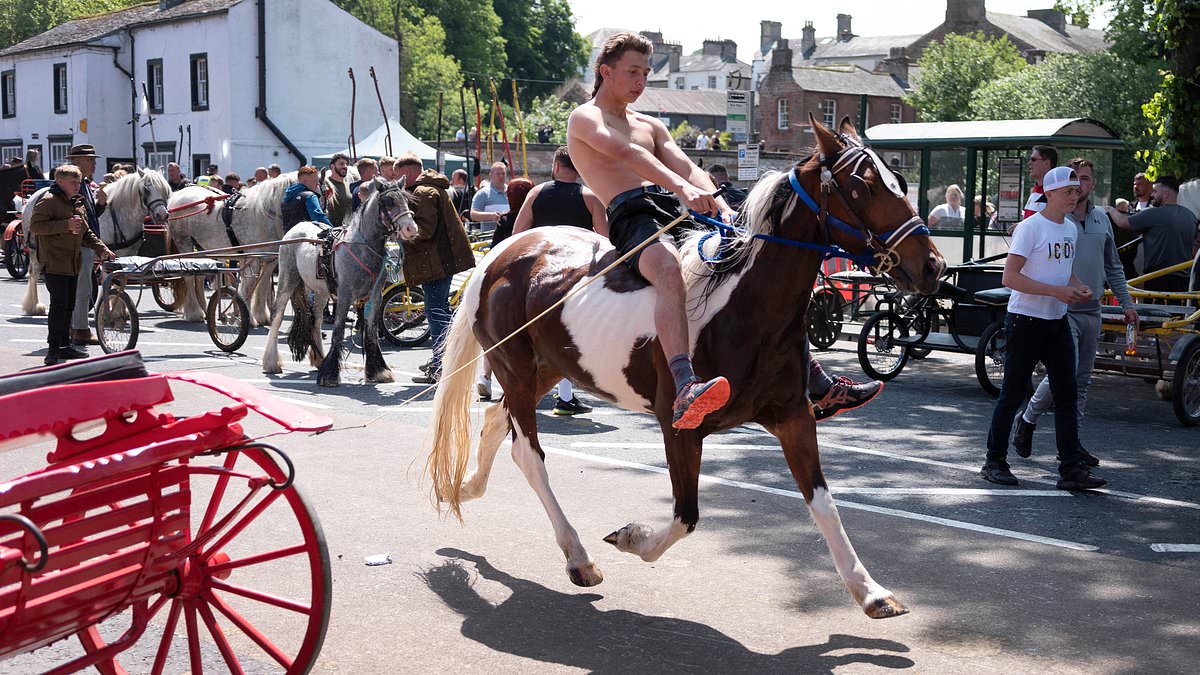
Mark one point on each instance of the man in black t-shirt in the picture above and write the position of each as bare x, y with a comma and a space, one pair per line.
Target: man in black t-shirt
1170, 234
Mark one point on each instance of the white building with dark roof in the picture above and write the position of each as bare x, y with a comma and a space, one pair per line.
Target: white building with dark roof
257, 82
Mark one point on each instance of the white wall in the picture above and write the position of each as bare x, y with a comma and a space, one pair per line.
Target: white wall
698, 79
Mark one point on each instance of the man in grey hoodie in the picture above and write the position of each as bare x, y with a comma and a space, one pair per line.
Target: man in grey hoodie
1096, 261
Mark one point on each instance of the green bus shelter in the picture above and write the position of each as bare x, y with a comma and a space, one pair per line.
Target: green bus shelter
988, 161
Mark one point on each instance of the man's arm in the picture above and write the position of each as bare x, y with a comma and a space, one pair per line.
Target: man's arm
315, 214
478, 206
599, 213
587, 124
425, 214
1015, 279
678, 161
1119, 219
524, 219
1114, 274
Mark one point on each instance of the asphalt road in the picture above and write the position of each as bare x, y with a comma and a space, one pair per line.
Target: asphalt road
998, 579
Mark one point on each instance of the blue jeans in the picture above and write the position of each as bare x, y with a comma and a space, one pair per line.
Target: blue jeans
1030, 340
437, 313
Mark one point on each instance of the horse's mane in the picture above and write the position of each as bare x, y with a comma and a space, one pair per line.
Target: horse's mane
264, 200
127, 189
1189, 196
761, 213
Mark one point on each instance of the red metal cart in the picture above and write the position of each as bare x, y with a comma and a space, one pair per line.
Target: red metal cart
144, 517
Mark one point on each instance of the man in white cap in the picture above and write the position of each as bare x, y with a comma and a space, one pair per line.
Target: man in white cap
1039, 272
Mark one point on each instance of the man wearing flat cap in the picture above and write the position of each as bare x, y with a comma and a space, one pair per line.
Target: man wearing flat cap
94, 200
1039, 270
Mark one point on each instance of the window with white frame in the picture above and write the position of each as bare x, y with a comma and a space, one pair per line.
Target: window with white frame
199, 67
11, 148
781, 114
60, 88
8, 92
712, 81
829, 112
896, 114
679, 83
154, 85
59, 147
159, 160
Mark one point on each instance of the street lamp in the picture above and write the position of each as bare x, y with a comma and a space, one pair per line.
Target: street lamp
736, 80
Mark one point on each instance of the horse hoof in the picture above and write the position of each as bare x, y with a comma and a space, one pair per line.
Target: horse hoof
272, 370
630, 537
587, 576
885, 608
382, 377
329, 382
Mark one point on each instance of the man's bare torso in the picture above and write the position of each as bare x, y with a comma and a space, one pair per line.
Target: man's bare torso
605, 176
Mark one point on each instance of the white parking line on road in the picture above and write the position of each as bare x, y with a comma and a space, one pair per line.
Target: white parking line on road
1132, 496
305, 404
1175, 548
147, 344
909, 515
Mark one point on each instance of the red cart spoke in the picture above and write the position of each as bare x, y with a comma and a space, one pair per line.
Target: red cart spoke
193, 634
219, 637
267, 598
218, 494
164, 645
258, 559
249, 630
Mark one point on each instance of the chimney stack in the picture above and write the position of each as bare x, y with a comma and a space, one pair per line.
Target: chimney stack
896, 64
1051, 17
808, 40
781, 56
769, 32
674, 51
725, 49
844, 34
965, 12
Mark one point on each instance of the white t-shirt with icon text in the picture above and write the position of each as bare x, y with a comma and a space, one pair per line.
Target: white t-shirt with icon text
1049, 251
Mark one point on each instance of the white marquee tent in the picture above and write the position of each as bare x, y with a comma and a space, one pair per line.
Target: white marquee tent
375, 145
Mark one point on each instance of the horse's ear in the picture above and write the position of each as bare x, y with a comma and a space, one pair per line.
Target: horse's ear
141, 172
402, 181
826, 142
848, 130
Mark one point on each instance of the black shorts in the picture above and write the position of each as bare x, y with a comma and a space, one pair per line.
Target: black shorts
637, 218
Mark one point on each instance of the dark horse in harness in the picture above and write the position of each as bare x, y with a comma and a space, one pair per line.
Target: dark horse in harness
746, 322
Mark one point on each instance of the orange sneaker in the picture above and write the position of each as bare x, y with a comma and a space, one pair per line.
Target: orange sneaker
697, 400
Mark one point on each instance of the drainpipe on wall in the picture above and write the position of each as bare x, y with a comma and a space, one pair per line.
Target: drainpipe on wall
133, 100
261, 111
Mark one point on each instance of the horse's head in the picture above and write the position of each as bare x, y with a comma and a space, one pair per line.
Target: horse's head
155, 191
864, 208
394, 211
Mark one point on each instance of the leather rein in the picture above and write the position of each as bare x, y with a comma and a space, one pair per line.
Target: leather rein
881, 253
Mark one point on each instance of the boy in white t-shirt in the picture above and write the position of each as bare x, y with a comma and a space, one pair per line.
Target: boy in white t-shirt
1039, 272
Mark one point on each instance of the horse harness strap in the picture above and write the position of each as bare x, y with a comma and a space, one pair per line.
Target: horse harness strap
227, 216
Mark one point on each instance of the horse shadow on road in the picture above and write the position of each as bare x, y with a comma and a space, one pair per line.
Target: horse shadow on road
562, 628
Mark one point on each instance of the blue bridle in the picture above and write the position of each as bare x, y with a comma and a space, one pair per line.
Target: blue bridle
881, 250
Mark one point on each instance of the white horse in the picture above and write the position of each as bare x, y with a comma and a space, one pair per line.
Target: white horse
130, 200
358, 258
197, 221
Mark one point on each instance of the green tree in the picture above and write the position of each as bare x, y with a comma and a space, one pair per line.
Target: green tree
1175, 107
542, 46
548, 110
951, 71
22, 19
473, 29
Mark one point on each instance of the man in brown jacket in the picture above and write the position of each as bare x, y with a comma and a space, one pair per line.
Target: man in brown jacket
58, 223
439, 251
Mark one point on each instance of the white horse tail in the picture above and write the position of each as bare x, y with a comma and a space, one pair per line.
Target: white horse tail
29, 304
447, 463
300, 334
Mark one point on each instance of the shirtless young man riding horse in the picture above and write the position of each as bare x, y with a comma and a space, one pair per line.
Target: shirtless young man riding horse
624, 157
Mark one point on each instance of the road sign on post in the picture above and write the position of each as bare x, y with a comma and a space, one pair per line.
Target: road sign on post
737, 114
747, 162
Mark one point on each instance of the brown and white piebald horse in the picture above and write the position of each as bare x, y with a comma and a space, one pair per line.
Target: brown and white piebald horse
746, 321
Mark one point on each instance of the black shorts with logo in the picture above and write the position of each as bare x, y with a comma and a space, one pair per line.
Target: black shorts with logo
638, 216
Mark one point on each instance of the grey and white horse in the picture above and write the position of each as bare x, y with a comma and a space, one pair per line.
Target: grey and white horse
130, 200
358, 258
197, 221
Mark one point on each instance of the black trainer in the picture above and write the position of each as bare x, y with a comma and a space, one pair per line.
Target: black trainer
998, 473
430, 377
72, 352
571, 407
1086, 458
845, 394
52, 358
1079, 478
1023, 437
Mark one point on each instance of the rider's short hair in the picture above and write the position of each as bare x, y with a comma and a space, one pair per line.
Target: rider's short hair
407, 159
306, 170
1080, 161
341, 155
365, 161
563, 158
1047, 152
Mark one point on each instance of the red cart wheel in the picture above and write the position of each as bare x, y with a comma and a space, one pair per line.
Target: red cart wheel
254, 584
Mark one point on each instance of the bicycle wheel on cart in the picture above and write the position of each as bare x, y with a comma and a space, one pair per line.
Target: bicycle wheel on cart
116, 322
228, 319
403, 321
824, 317
16, 258
256, 589
1185, 388
164, 294
989, 358
878, 352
